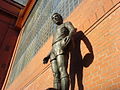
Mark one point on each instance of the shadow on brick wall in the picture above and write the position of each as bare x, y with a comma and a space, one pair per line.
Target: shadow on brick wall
78, 61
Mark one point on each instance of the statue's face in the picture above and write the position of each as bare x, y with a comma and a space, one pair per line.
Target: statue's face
57, 19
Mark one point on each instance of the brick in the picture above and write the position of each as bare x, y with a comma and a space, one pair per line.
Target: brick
92, 18
107, 83
86, 24
115, 1
114, 87
116, 80
99, 11
98, 87
107, 4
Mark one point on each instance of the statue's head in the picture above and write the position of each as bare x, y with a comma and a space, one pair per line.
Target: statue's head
57, 18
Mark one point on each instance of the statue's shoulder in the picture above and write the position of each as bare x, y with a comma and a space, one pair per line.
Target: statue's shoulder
68, 23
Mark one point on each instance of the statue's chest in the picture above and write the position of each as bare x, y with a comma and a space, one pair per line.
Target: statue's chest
62, 30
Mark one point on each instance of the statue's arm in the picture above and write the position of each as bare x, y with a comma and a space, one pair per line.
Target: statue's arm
71, 29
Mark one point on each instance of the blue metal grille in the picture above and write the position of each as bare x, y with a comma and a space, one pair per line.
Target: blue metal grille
38, 29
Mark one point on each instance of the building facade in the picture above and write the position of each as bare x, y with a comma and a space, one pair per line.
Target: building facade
8, 35
99, 20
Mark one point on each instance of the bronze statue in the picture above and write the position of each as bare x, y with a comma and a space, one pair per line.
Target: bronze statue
59, 54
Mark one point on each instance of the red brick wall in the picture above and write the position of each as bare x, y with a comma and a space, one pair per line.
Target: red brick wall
99, 20
8, 38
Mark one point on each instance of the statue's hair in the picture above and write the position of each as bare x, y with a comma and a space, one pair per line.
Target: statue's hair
56, 14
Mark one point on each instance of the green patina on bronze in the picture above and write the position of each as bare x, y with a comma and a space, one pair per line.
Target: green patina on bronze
62, 38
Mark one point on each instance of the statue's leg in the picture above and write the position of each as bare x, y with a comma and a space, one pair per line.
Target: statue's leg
63, 72
56, 74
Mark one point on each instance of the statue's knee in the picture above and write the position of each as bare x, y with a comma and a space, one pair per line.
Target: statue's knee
64, 75
63, 72
62, 69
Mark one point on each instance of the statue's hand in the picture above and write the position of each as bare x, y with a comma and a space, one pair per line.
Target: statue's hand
65, 41
45, 60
